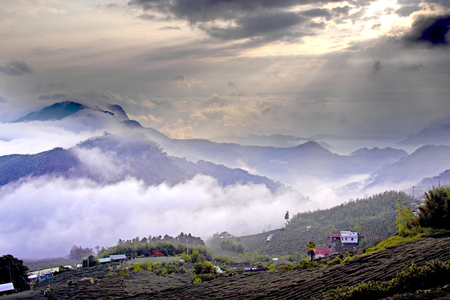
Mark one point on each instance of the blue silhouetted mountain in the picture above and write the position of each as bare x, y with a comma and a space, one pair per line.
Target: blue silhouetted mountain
54, 162
61, 110
432, 135
427, 183
225, 176
424, 162
113, 158
276, 163
376, 157
56, 111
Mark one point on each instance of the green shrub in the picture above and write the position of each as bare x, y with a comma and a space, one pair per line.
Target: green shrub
196, 257
205, 277
296, 256
136, 267
146, 265
196, 280
124, 272
336, 261
69, 282
111, 274
204, 268
186, 257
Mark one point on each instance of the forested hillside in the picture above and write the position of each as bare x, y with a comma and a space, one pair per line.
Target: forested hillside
347, 215
374, 217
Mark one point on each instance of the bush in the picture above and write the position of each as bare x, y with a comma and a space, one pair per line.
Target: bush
186, 257
136, 267
112, 274
205, 277
196, 280
69, 282
204, 268
196, 257
124, 272
146, 266
296, 256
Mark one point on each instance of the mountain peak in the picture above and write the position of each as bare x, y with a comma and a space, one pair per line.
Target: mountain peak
56, 111
64, 109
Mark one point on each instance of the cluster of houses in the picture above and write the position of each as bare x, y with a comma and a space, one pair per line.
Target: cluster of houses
39, 275
346, 241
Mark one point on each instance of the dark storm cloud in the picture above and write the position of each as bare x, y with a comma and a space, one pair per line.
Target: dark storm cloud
406, 10
262, 20
429, 30
341, 11
318, 12
197, 11
16, 68
317, 26
257, 25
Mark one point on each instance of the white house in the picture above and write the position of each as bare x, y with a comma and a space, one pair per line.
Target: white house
349, 237
6, 287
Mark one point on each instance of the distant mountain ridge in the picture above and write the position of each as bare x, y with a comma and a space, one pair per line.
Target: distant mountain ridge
438, 134
424, 162
120, 156
280, 163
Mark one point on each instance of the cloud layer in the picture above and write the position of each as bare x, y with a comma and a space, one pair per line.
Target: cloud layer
45, 217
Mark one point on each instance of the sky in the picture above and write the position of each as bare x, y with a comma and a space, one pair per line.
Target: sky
208, 68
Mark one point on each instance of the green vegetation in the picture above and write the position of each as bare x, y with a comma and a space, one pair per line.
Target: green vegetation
412, 278
12, 270
158, 246
435, 212
204, 268
229, 244
353, 213
90, 261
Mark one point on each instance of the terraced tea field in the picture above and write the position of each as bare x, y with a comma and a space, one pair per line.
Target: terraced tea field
309, 284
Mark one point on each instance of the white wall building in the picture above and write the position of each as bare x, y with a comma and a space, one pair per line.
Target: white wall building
349, 237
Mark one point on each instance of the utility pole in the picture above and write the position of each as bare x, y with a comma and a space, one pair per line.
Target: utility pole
413, 191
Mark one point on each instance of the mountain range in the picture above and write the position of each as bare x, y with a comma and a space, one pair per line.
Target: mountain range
149, 155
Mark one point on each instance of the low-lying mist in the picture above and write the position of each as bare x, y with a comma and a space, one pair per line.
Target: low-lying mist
45, 217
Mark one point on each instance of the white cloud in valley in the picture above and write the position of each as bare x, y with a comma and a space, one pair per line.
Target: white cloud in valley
45, 217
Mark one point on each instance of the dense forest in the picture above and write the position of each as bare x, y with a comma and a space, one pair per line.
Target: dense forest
157, 246
352, 213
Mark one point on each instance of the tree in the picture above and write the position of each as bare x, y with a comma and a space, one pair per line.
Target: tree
77, 253
311, 246
435, 212
404, 216
90, 261
12, 270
